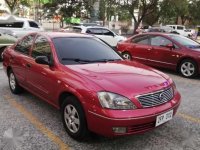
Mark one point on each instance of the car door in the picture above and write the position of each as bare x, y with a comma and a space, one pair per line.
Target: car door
41, 78
163, 53
139, 48
19, 58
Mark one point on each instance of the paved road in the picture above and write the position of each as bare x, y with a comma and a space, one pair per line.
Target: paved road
27, 123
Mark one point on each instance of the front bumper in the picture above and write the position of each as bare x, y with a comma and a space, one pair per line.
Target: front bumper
135, 121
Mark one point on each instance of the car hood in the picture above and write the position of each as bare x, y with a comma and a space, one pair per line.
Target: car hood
122, 77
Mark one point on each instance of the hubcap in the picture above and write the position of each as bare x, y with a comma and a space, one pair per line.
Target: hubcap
187, 69
12, 81
127, 56
72, 118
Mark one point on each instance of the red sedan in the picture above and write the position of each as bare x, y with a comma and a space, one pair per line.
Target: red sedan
93, 86
169, 51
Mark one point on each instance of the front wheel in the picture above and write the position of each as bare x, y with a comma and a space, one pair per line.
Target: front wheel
188, 68
127, 56
74, 118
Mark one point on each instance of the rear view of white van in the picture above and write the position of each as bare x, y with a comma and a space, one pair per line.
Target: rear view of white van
20, 26
180, 29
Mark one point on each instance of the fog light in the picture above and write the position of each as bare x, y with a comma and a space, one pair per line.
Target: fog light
119, 129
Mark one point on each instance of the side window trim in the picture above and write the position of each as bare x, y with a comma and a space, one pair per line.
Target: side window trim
140, 36
20, 42
47, 42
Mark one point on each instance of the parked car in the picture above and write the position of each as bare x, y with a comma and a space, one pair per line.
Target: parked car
101, 32
20, 26
93, 86
169, 51
155, 29
5, 40
181, 30
165, 29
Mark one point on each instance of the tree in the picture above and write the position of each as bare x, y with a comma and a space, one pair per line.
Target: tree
13, 4
178, 9
152, 18
194, 11
144, 7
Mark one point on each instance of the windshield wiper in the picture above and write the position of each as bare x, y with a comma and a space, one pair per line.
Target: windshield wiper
106, 60
77, 60
89, 61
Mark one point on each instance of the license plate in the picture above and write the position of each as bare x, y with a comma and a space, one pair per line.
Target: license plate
164, 118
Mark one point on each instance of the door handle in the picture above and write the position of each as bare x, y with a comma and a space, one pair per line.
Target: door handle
28, 65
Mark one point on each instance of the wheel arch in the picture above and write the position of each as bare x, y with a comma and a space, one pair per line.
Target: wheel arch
65, 94
185, 58
8, 70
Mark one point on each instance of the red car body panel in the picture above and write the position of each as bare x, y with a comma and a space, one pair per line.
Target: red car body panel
126, 78
157, 56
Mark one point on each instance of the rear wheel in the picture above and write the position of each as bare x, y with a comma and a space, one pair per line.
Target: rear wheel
14, 86
74, 118
127, 56
188, 68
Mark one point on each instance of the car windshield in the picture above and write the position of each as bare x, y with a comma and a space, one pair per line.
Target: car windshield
185, 41
81, 50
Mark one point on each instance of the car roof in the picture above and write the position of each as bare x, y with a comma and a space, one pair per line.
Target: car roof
12, 18
63, 34
85, 27
157, 33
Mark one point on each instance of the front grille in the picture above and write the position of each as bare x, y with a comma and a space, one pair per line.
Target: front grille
156, 98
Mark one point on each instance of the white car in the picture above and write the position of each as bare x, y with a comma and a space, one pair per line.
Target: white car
20, 26
103, 33
180, 29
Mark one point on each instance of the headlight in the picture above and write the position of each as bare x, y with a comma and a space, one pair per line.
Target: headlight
114, 101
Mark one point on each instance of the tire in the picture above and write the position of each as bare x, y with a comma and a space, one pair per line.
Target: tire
13, 84
188, 68
127, 56
73, 118
1, 51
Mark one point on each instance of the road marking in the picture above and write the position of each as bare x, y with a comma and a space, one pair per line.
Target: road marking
37, 123
189, 118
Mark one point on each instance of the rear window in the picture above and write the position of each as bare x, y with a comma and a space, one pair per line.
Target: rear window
12, 25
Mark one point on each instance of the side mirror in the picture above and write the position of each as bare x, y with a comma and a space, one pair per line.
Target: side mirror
42, 60
170, 46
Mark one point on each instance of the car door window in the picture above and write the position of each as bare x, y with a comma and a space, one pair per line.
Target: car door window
107, 32
41, 48
180, 27
12, 25
95, 31
33, 24
144, 40
24, 46
160, 41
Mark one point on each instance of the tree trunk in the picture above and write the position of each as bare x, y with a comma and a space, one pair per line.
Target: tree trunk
136, 25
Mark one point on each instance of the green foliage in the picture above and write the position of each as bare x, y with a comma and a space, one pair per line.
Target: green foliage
194, 9
172, 9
